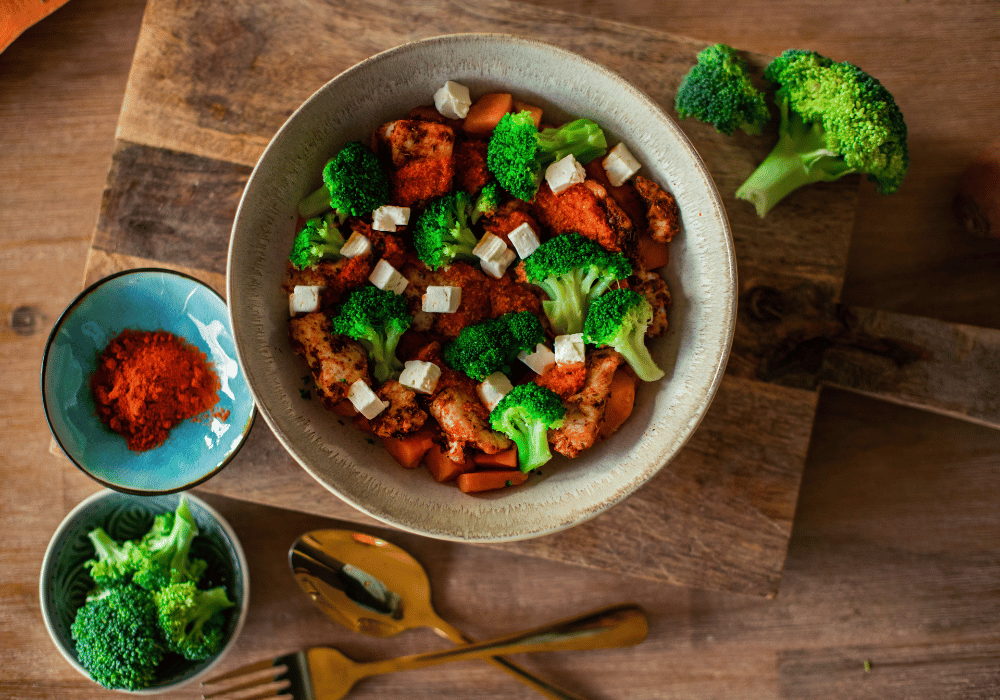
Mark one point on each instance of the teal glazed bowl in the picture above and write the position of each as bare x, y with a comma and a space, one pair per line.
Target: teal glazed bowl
148, 300
65, 582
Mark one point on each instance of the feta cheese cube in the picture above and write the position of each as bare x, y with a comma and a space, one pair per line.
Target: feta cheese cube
496, 268
569, 349
357, 244
493, 388
490, 248
388, 217
538, 360
386, 277
364, 399
524, 239
620, 165
564, 173
441, 300
420, 376
452, 100
304, 299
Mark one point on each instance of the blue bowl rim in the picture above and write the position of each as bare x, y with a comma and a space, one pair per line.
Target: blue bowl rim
242, 563
45, 407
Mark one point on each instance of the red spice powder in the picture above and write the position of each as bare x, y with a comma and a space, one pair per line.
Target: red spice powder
147, 382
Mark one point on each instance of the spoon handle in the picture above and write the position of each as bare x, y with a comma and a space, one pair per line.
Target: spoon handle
615, 626
523, 675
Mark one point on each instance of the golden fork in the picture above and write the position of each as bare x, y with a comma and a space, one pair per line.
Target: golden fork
323, 673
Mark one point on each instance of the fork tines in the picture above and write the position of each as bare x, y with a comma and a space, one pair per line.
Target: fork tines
282, 677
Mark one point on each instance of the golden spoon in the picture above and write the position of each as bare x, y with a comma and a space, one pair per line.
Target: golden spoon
374, 587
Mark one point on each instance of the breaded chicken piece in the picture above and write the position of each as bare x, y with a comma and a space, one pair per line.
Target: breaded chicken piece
475, 305
508, 217
585, 409
654, 288
662, 213
587, 209
506, 296
335, 361
471, 172
464, 420
421, 154
563, 379
402, 416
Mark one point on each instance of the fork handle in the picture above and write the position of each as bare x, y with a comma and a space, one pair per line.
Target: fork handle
615, 626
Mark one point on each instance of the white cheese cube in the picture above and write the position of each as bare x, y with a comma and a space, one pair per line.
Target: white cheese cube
524, 239
388, 217
304, 299
564, 173
493, 388
420, 376
569, 349
496, 268
386, 277
538, 360
490, 248
364, 399
357, 244
452, 100
620, 165
441, 300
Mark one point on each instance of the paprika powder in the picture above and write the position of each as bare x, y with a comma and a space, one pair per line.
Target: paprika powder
146, 382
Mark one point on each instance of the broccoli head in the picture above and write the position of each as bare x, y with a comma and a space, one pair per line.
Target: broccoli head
518, 152
165, 550
718, 91
619, 319
836, 119
355, 183
377, 318
115, 562
492, 345
192, 619
118, 637
525, 414
573, 270
319, 238
441, 232
487, 201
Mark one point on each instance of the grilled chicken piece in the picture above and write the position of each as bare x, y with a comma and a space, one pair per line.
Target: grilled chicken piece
587, 209
585, 409
402, 416
335, 361
655, 289
421, 157
662, 212
463, 419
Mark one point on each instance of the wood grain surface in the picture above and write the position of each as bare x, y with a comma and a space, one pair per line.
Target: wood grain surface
889, 585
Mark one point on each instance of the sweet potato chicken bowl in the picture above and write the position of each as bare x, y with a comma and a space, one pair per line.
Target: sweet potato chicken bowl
473, 293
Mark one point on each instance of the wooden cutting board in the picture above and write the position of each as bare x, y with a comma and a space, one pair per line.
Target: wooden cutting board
212, 82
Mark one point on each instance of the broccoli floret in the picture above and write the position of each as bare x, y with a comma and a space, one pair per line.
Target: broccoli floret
355, 183
192, 619
441, 232
492, 345
487, 202
377, 318
718, 91
118, 637
319, 238
619, 319
165, 550
116, 562
573, 270
835, 120
518, 152
525, 414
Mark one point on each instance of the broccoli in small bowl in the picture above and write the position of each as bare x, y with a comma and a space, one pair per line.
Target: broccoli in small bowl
122, 574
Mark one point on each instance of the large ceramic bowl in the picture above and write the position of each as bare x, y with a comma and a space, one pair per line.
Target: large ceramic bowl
701, 275
145, 299
65, 582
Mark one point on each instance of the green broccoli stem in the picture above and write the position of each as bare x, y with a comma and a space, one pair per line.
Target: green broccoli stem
801, 157
565, 307
532, 441
633, 349
383, 351
315, 203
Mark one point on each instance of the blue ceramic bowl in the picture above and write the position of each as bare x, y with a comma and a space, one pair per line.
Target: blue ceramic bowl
65, 582
147, 300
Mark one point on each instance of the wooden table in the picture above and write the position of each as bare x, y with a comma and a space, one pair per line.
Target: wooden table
894, 552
